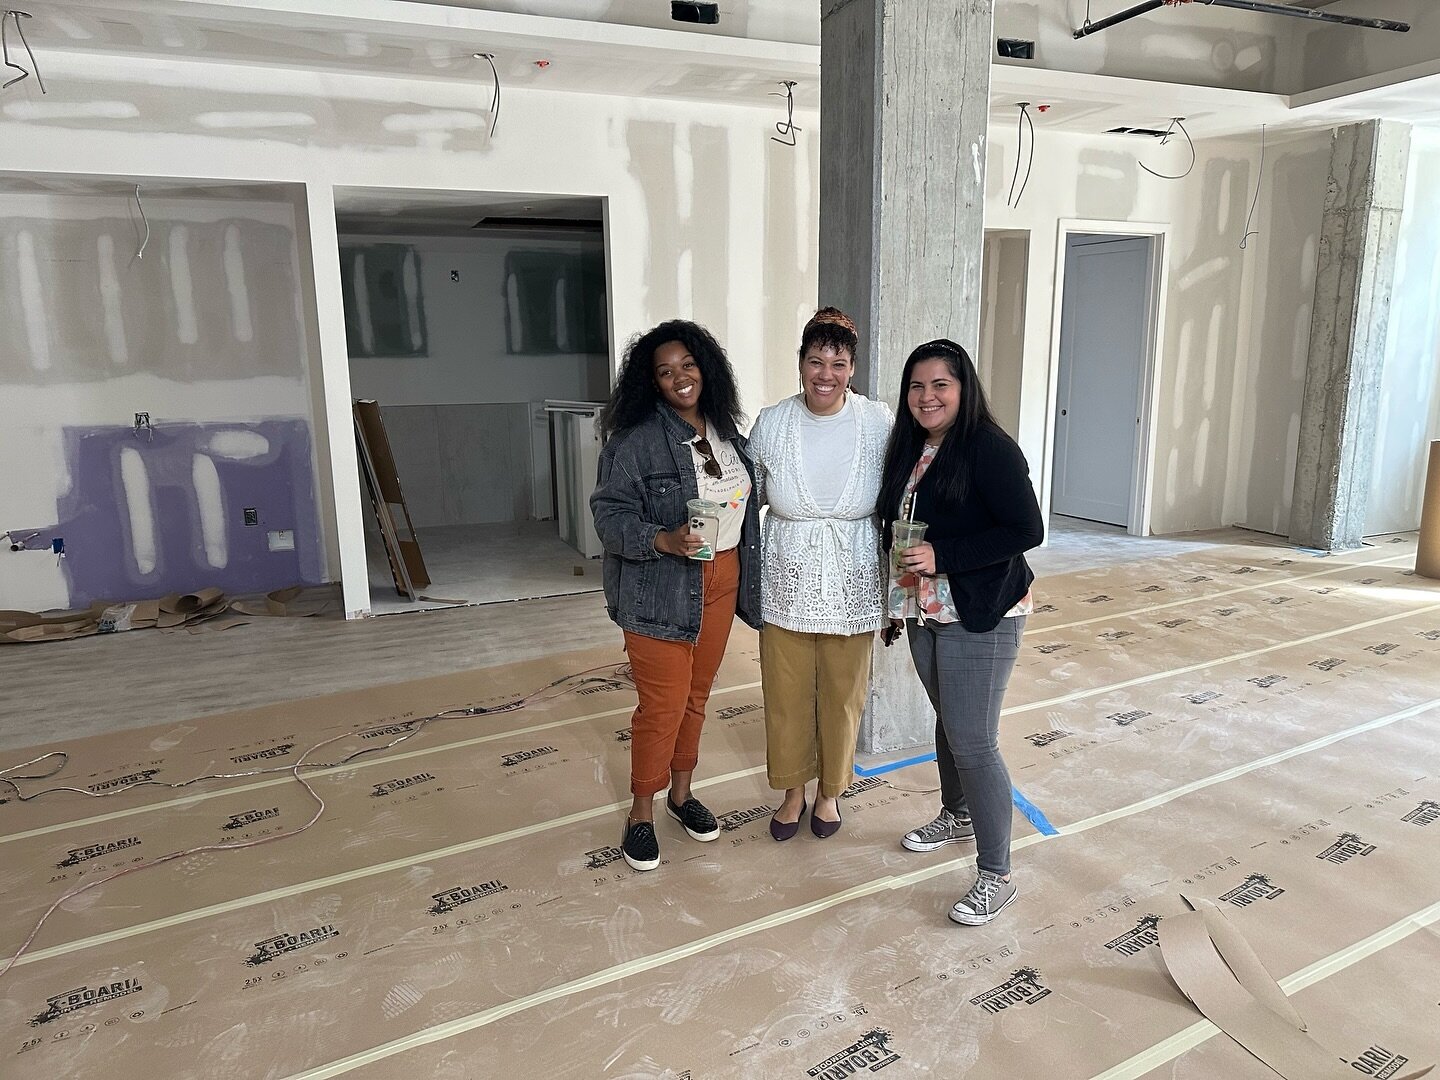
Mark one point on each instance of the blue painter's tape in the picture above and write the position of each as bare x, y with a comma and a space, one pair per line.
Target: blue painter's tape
1034, 813
891, 766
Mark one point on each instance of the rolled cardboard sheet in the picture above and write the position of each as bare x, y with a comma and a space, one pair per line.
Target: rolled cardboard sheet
181, 608
1218, 971
1427, 555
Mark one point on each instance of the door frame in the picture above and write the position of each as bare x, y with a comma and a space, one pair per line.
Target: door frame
1142, 485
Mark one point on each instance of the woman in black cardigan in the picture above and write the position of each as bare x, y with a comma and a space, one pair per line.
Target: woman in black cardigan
964, 594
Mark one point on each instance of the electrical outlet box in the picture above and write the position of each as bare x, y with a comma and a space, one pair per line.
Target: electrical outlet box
252, 516
280, 539
142, 421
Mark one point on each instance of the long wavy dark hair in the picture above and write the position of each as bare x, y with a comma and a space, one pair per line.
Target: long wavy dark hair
953, 461
636, 397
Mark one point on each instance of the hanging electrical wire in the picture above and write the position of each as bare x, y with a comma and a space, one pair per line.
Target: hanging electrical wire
786, 127
1258, 180
53, 763
1178, 121
1013, 200
140, 252
13, 16
494, 105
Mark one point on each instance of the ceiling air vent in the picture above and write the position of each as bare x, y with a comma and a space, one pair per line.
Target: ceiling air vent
1150, 132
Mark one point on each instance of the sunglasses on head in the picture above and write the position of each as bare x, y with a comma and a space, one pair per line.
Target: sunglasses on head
712, 467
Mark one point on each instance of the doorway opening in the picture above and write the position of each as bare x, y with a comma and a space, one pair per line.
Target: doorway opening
1102, 430
480, 326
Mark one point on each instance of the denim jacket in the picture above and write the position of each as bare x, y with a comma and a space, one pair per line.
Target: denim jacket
647, 474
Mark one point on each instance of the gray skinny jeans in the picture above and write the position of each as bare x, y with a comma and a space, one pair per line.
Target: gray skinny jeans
965, 675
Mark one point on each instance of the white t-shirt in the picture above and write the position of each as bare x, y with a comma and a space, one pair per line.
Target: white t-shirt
731, 490
827, 449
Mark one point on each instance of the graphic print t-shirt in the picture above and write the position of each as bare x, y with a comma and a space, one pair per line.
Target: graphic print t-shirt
731, 490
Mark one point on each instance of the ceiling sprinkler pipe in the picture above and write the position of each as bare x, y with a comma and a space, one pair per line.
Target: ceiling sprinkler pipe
1259, 6
1119, 17
1317, 16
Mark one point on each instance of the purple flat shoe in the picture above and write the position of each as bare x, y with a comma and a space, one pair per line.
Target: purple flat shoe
782, 830
822, 829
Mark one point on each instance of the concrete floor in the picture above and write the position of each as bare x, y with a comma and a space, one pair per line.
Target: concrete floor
71, 689
483, 564
1239, 736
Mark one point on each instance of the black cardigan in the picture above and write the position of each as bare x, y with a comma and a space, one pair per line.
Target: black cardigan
979, 540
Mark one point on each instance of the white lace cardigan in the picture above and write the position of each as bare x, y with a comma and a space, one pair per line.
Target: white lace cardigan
821, 572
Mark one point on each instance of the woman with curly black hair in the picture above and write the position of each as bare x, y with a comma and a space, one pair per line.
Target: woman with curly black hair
671, 432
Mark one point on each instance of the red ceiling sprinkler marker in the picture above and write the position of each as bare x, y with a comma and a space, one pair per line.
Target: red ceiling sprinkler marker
542, 64
1042, 108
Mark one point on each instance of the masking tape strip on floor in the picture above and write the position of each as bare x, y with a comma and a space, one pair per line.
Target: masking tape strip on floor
1249, 654
371, 762
1205, 597
781, 918
1047, 703
585, 815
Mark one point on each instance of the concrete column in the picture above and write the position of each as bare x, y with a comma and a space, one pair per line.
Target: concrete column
904, 98
321, 243
1359, 240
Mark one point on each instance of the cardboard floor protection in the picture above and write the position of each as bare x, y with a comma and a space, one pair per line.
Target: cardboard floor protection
1248, 725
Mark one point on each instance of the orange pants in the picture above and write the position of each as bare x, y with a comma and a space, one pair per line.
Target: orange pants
673, 679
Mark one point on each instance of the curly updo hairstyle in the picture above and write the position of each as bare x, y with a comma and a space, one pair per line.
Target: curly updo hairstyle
833, 328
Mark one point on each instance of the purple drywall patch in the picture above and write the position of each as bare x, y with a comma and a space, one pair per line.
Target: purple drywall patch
268, 467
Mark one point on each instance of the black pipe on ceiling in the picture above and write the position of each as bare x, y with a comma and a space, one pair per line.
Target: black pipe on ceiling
1247, 5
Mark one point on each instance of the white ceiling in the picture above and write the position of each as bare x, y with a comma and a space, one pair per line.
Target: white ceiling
435, 41
795, 21
637, 51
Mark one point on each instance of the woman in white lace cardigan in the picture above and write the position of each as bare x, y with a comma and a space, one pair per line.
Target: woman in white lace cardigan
818, 459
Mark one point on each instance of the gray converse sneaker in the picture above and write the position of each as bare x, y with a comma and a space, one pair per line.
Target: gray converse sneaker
945, 829
990, 895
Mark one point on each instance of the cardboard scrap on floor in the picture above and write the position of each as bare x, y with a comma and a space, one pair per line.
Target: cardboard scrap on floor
197, 612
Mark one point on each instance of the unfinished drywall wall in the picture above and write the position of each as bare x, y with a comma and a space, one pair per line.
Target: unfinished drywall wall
1410, 386
1281, 258
707, 217
467, 360
1000, 359
203, 334
460, 416
1205, 293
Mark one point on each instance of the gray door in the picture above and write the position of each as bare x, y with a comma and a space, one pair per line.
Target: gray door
1105, 320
